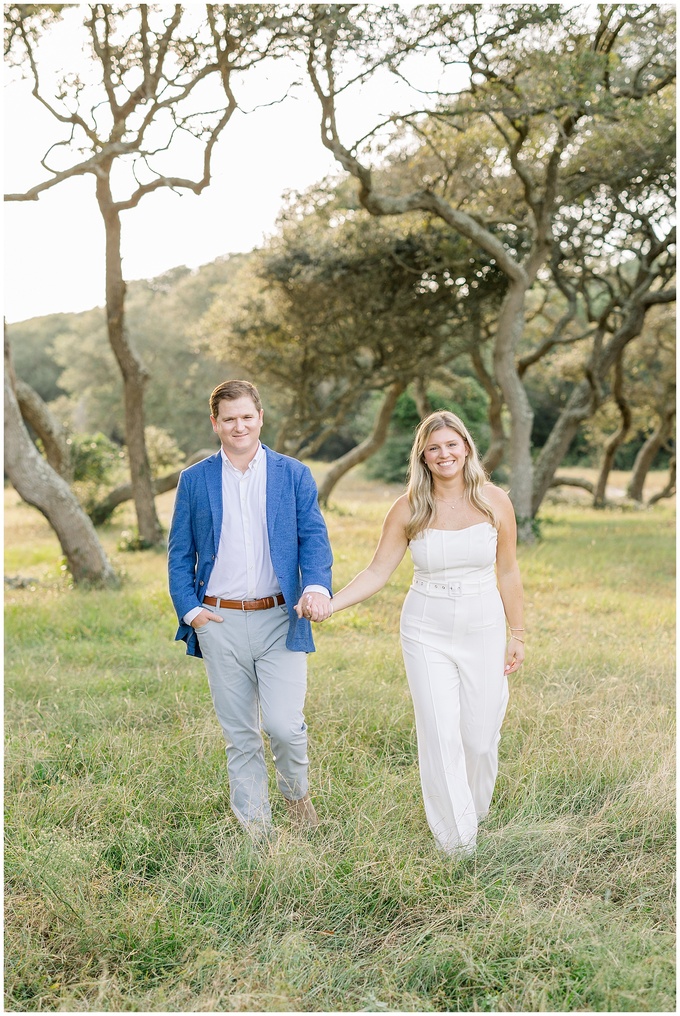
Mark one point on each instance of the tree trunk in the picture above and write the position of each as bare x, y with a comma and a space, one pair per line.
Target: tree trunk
645, 457
669, 489
572, 481
508, 333
495, 453
104, 509
38, 415
280, 439
583, 401
135, 375
616, 439
367, 448
578, 408
39, 485
421, 398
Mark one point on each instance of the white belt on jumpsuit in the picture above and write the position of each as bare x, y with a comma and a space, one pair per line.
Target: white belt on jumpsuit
446, 589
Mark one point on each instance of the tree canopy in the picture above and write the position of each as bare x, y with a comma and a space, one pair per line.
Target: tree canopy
510, 224
541, 82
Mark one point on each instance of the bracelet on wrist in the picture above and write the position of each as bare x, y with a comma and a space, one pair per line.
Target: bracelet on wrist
516, 639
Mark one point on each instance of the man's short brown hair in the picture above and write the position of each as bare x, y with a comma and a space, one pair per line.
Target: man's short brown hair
233, 390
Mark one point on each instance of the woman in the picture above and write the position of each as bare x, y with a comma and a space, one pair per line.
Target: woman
458, 527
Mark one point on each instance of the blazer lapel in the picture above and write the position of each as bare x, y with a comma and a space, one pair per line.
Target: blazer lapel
213, 480
275, 475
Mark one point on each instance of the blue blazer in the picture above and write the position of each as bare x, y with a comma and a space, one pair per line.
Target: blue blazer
298, 540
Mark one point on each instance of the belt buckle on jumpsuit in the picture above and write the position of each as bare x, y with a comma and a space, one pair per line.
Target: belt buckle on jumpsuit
455, 589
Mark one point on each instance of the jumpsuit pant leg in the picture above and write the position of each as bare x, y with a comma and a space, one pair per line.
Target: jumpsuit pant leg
484, 699
256, 682
454, 666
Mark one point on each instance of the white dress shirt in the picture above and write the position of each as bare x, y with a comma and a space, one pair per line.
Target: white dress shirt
243, 566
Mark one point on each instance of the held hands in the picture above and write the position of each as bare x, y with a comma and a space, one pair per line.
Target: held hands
514, 655
204, 617
314, 606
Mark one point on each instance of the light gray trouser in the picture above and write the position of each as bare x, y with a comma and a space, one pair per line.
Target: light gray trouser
251, 672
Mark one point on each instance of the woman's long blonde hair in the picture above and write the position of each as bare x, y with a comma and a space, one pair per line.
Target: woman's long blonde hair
420, 489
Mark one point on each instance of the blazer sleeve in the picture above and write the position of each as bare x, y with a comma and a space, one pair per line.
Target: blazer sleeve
314, 550
182, 552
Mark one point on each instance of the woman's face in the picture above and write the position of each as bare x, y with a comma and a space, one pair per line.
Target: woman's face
445, 454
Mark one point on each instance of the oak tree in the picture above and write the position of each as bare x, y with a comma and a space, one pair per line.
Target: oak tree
40, 485
136, 107
539, 79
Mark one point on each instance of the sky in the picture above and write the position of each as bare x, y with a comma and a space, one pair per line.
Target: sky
54, 247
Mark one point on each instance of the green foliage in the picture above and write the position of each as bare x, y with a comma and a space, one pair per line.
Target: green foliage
162, 316
163, 451
95, 457
33, 354
98, 464
465, 398
562, 145
339, 305
548, 396
626, 454
66, 357
130, 542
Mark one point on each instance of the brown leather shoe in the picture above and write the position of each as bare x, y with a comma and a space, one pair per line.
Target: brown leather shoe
302, 812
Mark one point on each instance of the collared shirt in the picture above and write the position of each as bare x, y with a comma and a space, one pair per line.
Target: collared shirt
243, 566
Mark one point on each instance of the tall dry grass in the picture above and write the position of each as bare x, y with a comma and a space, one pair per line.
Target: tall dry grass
131, 888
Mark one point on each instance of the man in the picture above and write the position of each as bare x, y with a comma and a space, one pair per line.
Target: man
247, 540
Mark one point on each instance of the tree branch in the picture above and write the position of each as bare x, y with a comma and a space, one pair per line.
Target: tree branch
104, 509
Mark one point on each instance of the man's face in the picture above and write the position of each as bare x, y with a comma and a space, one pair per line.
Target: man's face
238, 425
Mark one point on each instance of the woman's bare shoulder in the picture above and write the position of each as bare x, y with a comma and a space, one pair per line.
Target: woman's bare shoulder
401, 509
400, 512
496, 495
500, 502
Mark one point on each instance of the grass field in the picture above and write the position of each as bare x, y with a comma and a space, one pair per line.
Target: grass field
130, 887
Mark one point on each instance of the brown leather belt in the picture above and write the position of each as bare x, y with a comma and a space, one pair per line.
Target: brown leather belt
264, 604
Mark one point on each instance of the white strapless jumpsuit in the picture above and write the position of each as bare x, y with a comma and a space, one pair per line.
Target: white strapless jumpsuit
453, 641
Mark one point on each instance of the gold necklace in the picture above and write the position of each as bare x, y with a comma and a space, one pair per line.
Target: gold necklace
451, 504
